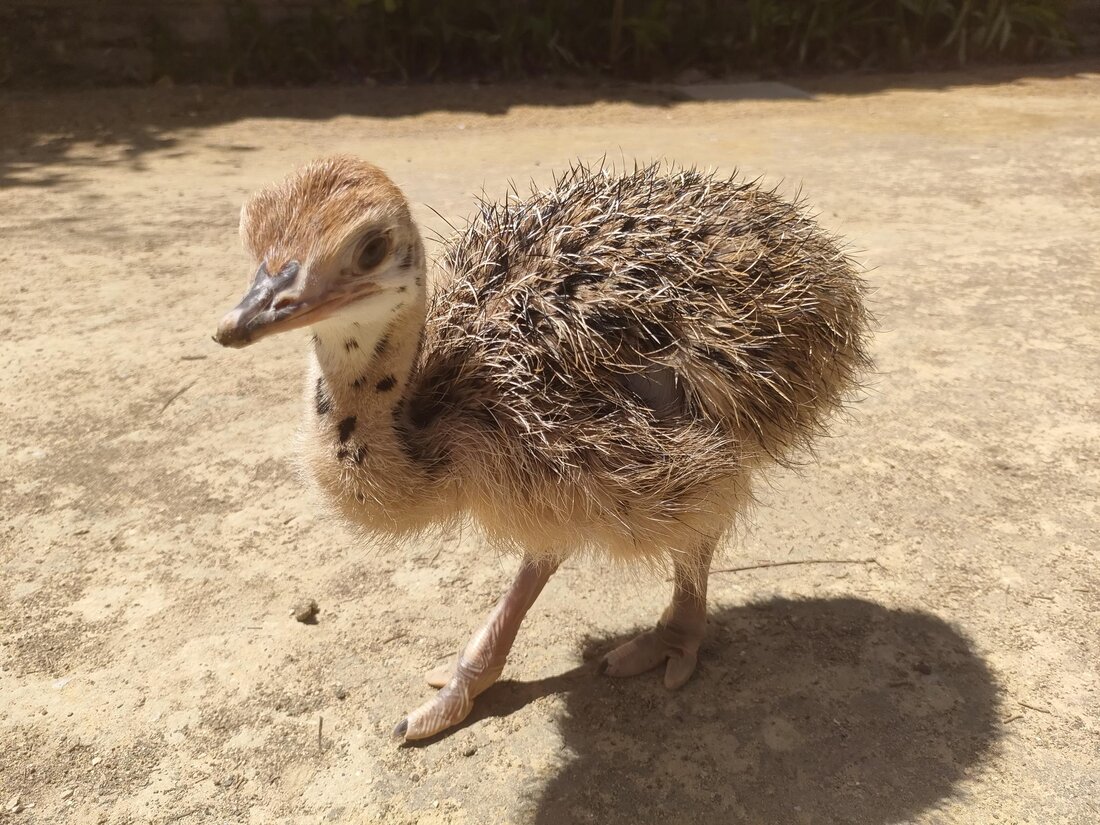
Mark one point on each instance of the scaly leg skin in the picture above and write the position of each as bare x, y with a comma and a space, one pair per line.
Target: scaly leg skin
678, 634
481, 661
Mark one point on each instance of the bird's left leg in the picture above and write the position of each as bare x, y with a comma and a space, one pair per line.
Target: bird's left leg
679, 632
482, 660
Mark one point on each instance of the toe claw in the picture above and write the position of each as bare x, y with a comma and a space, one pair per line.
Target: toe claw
401, 728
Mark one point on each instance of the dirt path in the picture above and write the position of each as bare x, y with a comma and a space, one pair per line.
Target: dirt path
153, 536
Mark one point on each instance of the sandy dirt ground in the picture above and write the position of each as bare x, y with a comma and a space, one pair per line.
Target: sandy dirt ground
154, 536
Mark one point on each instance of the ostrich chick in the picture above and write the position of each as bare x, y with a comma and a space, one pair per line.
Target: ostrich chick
603, 366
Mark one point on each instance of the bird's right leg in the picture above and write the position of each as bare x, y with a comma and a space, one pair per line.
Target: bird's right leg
481, 661
675, 641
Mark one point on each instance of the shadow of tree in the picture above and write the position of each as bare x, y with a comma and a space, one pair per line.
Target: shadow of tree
40, 130
816, 711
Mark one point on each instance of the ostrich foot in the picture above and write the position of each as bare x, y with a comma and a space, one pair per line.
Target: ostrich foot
676, 644
676, 638
480, 663
459, 686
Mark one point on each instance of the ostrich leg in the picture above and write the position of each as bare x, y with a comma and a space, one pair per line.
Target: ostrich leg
481, 661
678, 633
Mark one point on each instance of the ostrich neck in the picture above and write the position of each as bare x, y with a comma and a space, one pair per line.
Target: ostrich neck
357, 447
362, 356
361, 368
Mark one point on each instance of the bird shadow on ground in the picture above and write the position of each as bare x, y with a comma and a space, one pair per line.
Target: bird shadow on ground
813, 711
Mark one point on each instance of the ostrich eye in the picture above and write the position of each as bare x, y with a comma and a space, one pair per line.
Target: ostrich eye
374, 249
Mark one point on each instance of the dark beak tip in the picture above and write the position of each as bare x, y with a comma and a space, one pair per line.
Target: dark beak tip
231, 333
255, 312
232, 340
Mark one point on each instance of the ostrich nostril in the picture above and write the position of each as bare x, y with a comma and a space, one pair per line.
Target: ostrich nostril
284, 302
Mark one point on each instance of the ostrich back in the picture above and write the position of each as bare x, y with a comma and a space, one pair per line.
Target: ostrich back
606, 361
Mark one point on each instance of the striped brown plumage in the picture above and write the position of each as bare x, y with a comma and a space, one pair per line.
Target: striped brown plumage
607, 361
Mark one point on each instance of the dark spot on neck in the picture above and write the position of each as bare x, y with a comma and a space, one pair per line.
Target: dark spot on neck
351, 344
402, 288
359, 382
386, 384
409, 256
324, 403
356, 455
345, 428
382, 344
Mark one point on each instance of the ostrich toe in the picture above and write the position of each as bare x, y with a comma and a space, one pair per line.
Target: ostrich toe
679, 648
438, 676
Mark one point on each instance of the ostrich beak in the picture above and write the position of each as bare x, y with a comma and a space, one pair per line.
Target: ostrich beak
270, 305
277, 303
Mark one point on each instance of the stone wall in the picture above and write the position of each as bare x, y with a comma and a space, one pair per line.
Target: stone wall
74, 41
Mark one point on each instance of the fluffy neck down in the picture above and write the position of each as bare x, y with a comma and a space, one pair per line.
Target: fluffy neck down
359, 446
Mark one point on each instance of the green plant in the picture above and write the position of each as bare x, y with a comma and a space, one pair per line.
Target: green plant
425, 39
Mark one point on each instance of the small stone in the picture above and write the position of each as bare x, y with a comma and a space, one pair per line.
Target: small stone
341, 692
15, 804
306, 611
470, 751
923, 668
414, 777
97, 760
65, 794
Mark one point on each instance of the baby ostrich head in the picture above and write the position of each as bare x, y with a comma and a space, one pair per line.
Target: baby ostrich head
334, 244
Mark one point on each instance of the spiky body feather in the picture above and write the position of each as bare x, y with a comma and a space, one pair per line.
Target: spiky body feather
606, 363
